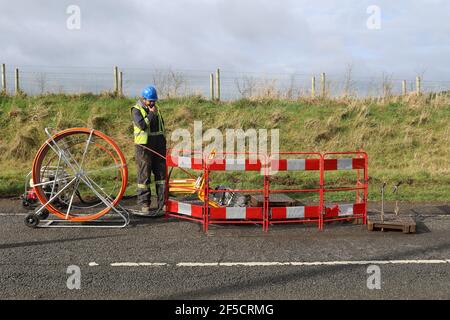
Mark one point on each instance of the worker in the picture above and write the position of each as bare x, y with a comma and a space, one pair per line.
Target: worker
149, 133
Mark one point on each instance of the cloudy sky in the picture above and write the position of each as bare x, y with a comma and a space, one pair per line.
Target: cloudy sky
241, 35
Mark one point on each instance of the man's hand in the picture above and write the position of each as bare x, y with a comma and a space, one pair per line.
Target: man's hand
152, 109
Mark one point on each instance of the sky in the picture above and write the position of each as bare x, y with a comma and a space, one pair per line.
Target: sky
300, 36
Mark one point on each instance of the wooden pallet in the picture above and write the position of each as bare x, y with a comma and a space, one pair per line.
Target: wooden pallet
391, 222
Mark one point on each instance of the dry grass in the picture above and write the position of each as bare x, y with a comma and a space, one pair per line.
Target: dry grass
24, 144
407, 138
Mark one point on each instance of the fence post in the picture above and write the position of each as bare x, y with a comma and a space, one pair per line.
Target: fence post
323, 80
16, 82
211, 86
218, 84
404, 87
313, 87
120, 84
116, 80
3, 79
418, 85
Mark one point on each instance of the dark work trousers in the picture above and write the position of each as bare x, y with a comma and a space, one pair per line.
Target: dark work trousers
148, 162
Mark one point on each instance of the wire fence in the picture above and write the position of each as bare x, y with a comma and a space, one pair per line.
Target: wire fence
34, 80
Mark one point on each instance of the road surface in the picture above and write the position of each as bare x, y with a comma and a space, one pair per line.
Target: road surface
173, 259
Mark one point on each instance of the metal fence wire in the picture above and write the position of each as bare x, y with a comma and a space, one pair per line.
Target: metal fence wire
35, 80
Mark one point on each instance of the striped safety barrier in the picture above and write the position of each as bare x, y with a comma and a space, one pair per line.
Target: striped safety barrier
345, 210
314, 164
344, 164
313, 212
186, 209
300, 212
291, 214
295, 164
237, 213
218, 164
357, 209
265, 215
184, 162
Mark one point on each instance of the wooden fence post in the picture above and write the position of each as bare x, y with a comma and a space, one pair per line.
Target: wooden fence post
404, 88
313, 87
116, 80
211, 86
16, 82
418, 85
3, 79
120, 84
218, 84
323, 82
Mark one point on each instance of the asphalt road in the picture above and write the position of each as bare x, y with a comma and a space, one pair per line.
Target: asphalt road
173, 259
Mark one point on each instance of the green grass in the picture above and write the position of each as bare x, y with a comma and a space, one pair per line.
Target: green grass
407, 139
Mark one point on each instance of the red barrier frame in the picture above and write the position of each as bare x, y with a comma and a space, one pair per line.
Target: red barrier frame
170, 203
321, 164
319, 190
211, 166
360, 186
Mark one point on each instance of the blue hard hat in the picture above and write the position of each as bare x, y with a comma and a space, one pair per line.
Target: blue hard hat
149, 93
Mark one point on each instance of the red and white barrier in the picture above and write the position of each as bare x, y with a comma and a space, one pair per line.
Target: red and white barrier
314, 164
344, 164
295, 164
345, 210
236, 213
266, 215
184, 162
234, 165
185, 209
302, 212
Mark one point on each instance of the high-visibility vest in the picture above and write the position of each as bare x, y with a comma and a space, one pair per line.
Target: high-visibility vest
141, 136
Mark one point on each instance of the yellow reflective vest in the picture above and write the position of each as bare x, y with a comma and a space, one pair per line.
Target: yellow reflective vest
141, 136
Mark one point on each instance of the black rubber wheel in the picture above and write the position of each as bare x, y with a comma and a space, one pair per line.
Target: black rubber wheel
43, 215
31, 220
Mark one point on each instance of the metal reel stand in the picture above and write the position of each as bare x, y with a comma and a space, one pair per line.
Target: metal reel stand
72, 175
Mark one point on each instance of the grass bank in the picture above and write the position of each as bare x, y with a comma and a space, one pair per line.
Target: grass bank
407, 139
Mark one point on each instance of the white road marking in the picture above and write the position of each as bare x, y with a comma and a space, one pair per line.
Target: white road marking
137, 264
93, 264
152, 264
336, 263
277, 263
253, 264
197, 264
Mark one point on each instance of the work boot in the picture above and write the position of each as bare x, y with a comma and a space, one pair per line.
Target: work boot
144, 211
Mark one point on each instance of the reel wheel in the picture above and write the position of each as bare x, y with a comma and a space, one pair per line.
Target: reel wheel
32, 220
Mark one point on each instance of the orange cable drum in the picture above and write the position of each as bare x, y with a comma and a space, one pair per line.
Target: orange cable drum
120, 162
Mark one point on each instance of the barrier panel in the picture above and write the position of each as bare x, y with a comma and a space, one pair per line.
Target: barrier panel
356, 161
299, 212
236, 214
194, 210
207, 209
